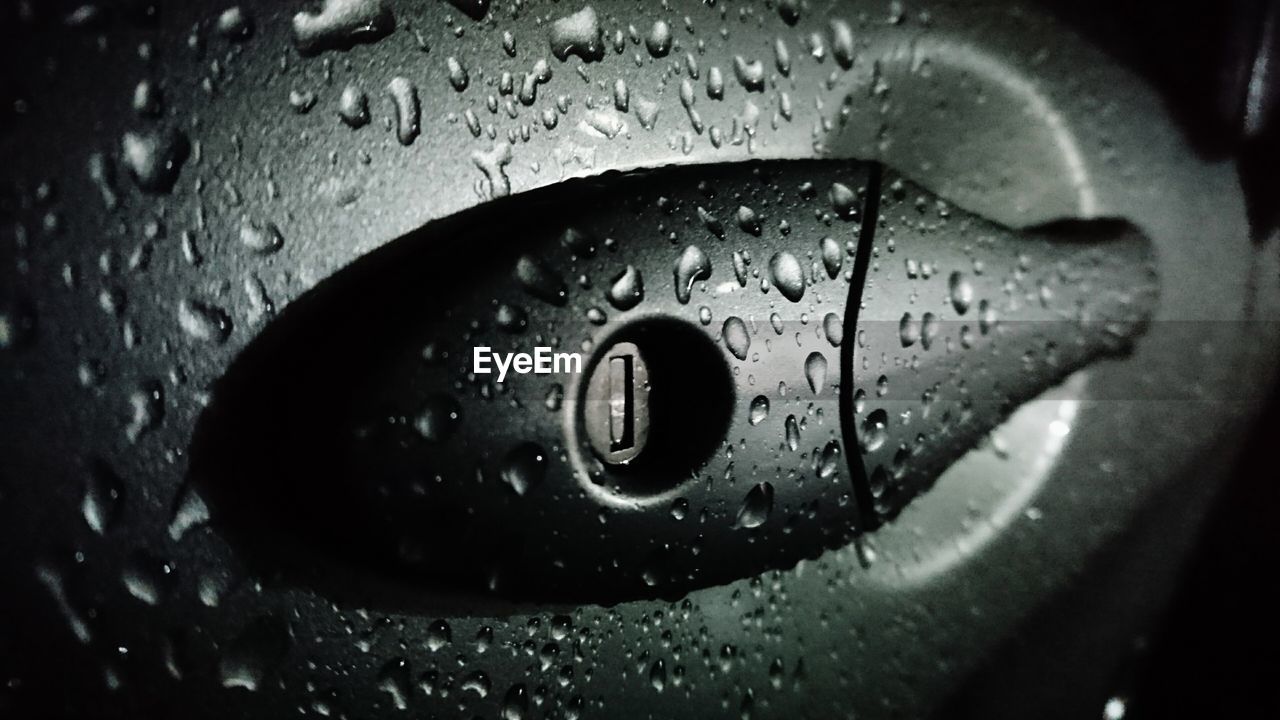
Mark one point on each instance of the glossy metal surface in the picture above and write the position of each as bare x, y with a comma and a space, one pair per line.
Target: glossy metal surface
125, 302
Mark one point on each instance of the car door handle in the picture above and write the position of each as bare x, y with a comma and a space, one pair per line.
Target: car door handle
693, 424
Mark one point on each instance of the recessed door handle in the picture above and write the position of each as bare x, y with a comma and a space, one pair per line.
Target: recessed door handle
690, 375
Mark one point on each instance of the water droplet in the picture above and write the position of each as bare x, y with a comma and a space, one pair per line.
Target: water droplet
621, 96
523, 467
789, 11
102, 172
579, 242
928, 330
234, 24
439, 634
750, 73
829, 462
254, 653
189, 511
393, 679
748, 220
577, 34
605, 123
844, 200
874, 430
658, 675
515, 706
961, 291
715, 83
54, 582
646, 113
693, 265
511, 318
155, 157
202, 321
740, 267
756, 507
438, 418
626, 290
112, 300
263, 239
815, 371
353, 107
145, 578
484, 639
736, 337
342, 24
458, 76
659, 40
17, 324
147, 410
1045, 294
833, 326
147, 99
475, 9
987, 317
476, 682
842, 43
555, 397
529, 87
493, 163
832, 256
788, 275
908, 330
260, 304
713, 225
302, 101
759, 410
540, 281
791, 431
102, 495
404, 95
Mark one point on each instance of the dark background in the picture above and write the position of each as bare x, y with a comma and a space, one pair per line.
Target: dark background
1217, 650
1217, 653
